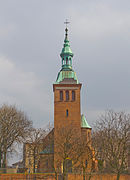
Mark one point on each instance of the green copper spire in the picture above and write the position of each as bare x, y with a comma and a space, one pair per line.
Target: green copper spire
66, 53
66, 74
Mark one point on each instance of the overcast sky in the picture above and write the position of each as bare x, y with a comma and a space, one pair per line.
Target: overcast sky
31, 39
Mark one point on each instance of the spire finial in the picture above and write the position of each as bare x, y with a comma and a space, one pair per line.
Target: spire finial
66, 30
66, 22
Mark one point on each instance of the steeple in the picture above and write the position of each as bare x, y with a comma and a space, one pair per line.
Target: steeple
66, 74
66, 53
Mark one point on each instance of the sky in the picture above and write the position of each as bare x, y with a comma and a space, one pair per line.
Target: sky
31, 39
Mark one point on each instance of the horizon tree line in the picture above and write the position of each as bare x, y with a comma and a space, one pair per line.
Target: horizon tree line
110, 140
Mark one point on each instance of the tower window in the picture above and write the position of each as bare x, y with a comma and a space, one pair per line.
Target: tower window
73, 95
67, 95
67, 60
86, 163
61, 95
67, 112
88, 136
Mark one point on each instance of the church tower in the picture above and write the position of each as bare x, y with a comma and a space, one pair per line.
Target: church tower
67, 110
67, 91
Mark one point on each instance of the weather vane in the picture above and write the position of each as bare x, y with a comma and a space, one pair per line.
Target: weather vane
66, 22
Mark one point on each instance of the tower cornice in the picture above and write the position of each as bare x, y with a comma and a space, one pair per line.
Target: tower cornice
66, 86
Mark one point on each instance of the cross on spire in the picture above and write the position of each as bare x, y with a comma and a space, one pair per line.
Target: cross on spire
66, 29
66, 22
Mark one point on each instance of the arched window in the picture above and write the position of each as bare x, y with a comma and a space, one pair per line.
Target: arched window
89, 136
67, 112
67, 95
61, 95
70, 61
73, 95
67, 60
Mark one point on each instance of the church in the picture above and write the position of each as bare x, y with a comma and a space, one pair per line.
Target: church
68, 146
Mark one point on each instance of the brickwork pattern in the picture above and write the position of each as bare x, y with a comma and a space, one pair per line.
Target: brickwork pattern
52, 177
73, 107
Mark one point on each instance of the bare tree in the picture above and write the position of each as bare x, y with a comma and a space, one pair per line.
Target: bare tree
110, 140
70, 150
14, 128
87, 162
33, 146
64, 148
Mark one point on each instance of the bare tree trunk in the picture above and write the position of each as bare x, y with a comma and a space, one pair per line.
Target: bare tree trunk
4, 160
84, 173
118, 176
64, 170
0, 157
55, 175
64, 175
34, 164
89, 177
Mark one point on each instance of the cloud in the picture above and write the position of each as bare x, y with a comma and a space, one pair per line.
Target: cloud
15, 80
24, 89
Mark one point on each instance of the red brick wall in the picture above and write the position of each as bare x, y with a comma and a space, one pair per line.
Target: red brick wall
98, 177
51, 177
46, 163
